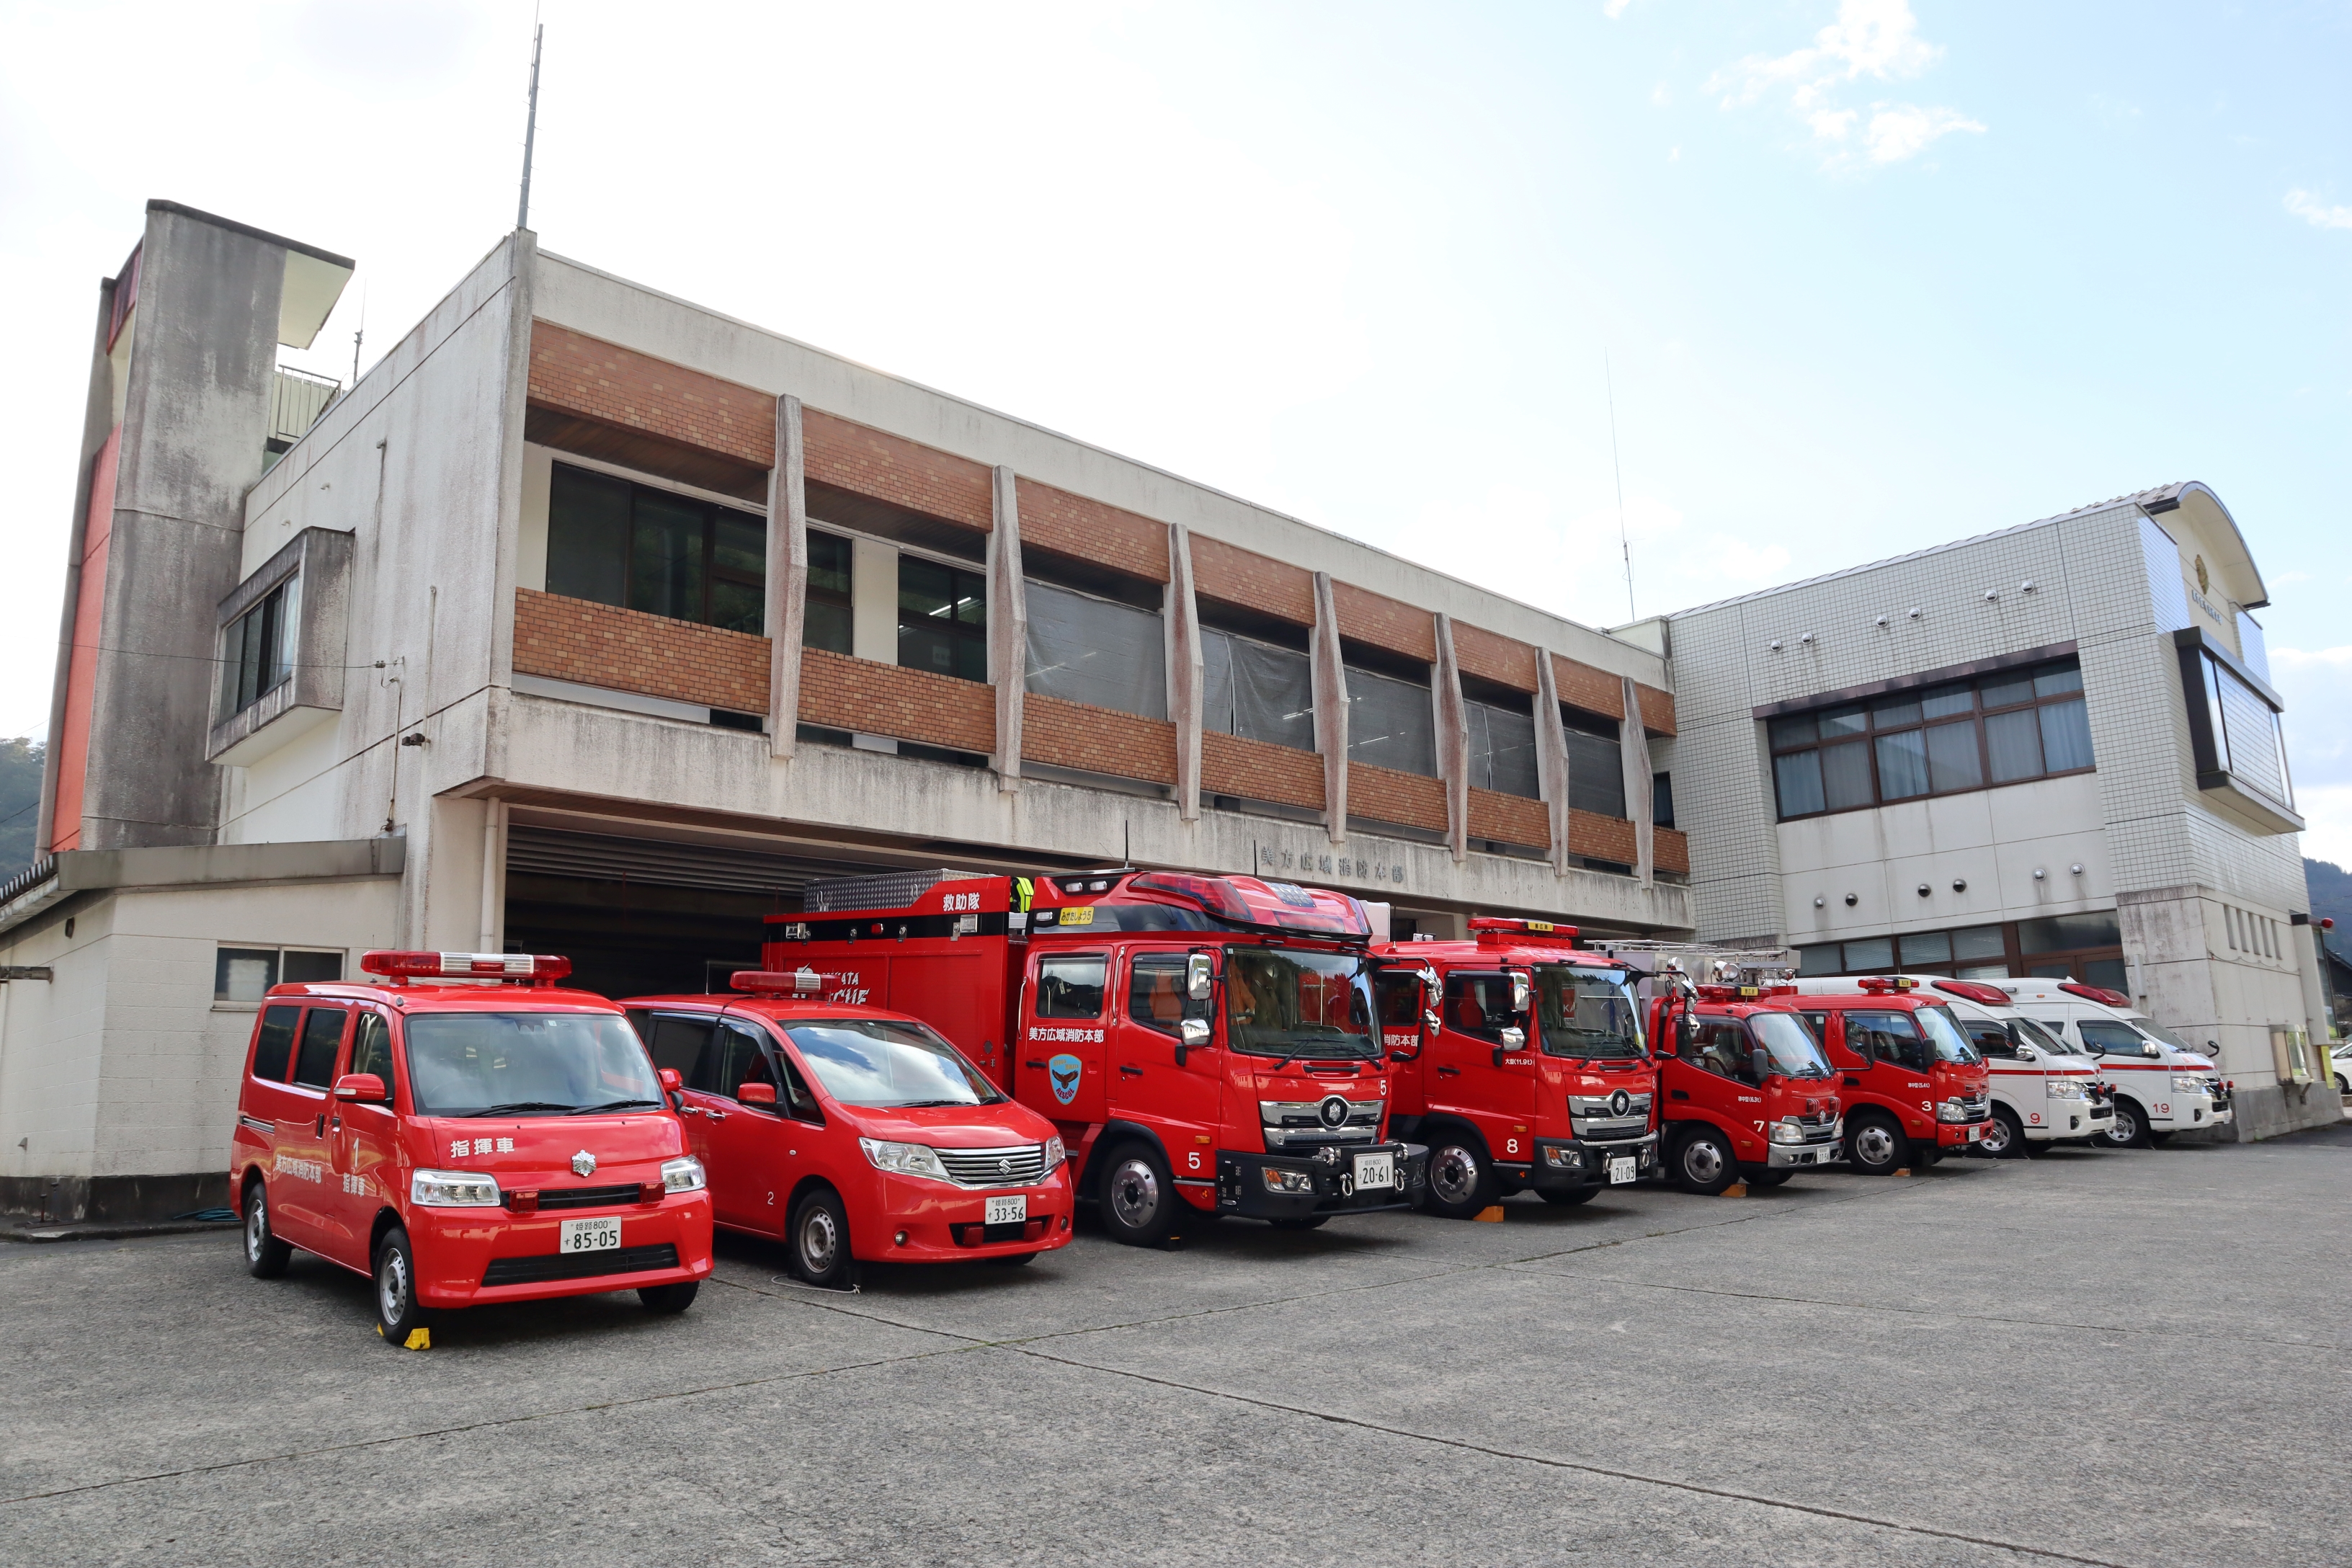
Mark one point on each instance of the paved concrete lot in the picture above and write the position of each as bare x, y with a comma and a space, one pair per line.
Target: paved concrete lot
2137, 1358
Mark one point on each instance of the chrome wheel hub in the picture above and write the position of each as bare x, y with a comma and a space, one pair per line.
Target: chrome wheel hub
1874, 1146
820, 1241
1995, 1139
1453, 1173
392, 1286
256, 1226
1702, 1160
1134, 1193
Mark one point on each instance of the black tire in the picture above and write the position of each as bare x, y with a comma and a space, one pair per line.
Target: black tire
1461, 1177
2005, 1139
1703, 1164
1567, 1197
669, 1299
2039, 1148
397, 1313
1139, 1200
1012, 1259
817, 1238
265, 1256
2130, 1128
2341, 1087
1876, 1146
1311, 1222
2159, 1137
1769, 1178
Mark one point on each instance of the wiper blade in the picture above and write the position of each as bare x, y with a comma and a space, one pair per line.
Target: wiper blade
609, 1105
923, 1104
514, 1105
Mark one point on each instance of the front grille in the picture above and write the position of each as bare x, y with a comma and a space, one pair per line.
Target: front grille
1600, 1104
579, 1265
1608, 1131
1020, 1165
1295, 1124
585, 1197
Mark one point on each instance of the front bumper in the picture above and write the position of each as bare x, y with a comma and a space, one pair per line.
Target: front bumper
945, 1222
1960, 1134
1801, 1157
473, 1257
1566, 1165
2069, 1120
1240, 1182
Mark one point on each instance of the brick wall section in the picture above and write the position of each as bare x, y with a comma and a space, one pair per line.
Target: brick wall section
1658, 709
1594, 690
628, 650
604, 380
1503, 660
1386, 794
1510, 818
1670, 849
1056, 519
905, 473
1370, 617
905, 704
1602, 837
1097, 740
1238, 576
1259, 770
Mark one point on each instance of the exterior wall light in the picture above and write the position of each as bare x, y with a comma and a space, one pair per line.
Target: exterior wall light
1819, 902
1914, 611
1852, 899
2039, 873
1960, 884
1925, 889
1991, 594
2076, 868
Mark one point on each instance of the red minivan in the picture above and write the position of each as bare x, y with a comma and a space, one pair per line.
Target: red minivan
854, 1134
465, 1143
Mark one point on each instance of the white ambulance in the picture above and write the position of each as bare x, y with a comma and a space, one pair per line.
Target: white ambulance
2044, 1092
2161, 1084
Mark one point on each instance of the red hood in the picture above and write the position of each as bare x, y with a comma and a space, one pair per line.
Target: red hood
949, 1126
526, 1151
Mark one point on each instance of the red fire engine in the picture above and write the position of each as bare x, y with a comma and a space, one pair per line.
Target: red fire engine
1204, 1046
1749, 1093
1914, 1087
1519, 1062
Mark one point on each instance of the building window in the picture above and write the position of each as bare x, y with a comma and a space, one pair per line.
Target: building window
942, 619
1596, 767
1082, 648
1257, 691
258, 648
2088, 948
826, 623
2235, 729
1939, 739
1502, 749
246, 974
1662, 799
614, 541
1391, 723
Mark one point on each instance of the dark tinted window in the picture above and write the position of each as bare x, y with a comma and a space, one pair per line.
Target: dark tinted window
942, 619
322, 1036
1988, 1038
244, 974
736, 1059
298, 967
618, 542
1889, 1036
827, 622
676, 1044
371, 1047
273, 1043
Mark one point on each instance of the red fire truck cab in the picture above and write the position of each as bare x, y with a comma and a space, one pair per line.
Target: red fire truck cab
1749, 1093
1203, 1045
1914, 1087
1519, 1061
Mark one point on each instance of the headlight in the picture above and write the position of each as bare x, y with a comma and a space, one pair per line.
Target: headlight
904, 1159
2191, 1086
1786, 1131
683, 1175
1054, 1153
2066, 1088
453, 1190
1287, 1181
1955, 1110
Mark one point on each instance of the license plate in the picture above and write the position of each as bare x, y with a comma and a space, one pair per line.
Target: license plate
1375, 1171
1006, 1211
1620, 1172
589, 1235
1975, 1133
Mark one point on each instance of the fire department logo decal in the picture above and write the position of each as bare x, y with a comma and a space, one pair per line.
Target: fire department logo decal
1065, 1070
583, 1164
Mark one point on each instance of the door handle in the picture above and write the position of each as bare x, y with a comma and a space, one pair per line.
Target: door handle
716, 1115
318, 1128
1851, 1082
1130, 1071
1449, 1072
1678, 1094
1032, 1062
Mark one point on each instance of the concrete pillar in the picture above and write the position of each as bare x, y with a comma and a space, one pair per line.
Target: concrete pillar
1453, 719
1187, 675
1551, 758
1633, 748
1008, 627
494, 877
1328, 683
787, 588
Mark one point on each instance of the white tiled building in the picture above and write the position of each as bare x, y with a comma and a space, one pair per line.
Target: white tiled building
1978, 759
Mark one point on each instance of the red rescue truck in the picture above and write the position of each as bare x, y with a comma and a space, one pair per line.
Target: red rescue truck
1750, 1095
1914, 1088
465, 1143
1519, 1062
1203, 1045
852, 1133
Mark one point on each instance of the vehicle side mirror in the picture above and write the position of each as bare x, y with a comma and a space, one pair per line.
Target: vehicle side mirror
2150, 1049
2028, 1054
670, 1080
1430, 1025
363, 1087
1760, 1062
1191, 1035
1522, 993
1685, 1031
1200, 976
761, 1094
1514, 1039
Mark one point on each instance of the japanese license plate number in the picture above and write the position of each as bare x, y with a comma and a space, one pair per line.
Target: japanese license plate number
1621, 1171
1006, 1211
1375, 1171
602, 1235
1975, 1133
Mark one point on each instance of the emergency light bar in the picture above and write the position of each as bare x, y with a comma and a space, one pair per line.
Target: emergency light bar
1974, 991
1542, 930
546, 966
1876, 983
2098, 993
777, 982
1214, 894
1743, 993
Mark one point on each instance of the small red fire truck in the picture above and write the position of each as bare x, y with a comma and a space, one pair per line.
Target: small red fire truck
1914, 1087
1204, 1046
462, 1142
1519, 1061
1749, 1096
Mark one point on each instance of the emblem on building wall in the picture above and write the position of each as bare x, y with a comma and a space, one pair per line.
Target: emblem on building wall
2204, 584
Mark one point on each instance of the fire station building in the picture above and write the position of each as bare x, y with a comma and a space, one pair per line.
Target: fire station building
593, 622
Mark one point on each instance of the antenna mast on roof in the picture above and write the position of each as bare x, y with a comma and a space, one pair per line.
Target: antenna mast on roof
530, 127
1625, 543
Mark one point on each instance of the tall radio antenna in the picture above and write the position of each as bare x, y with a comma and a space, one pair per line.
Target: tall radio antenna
530, 127
1624, 541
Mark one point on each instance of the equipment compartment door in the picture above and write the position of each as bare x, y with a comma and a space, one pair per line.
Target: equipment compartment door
1061, 1045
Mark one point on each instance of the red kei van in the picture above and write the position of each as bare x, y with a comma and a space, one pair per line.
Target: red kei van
1914, 1087
1748, 1094
465, 1143
854, 1134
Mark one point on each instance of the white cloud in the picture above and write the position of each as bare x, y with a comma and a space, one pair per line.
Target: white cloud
2317, 213
1877, 39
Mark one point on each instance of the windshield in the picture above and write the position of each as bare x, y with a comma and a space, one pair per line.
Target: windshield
1791, 1042
538, 1063
2026, 1032
1284, 1002
1943, 1036
871, 1061
1587, 1013
2162, 1036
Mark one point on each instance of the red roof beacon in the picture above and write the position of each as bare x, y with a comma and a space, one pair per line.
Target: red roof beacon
464, 1132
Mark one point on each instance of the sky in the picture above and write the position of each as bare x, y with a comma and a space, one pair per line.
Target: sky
1749, 291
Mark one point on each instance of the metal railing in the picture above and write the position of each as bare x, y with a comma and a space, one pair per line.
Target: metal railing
297, 399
